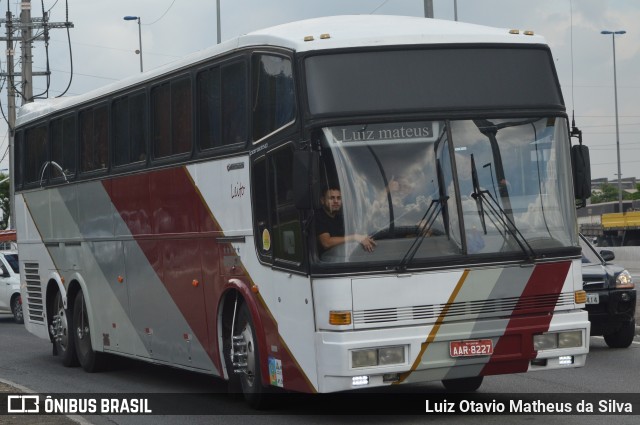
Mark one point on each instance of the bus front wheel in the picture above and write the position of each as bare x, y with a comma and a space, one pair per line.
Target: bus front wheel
90, 360
246, 359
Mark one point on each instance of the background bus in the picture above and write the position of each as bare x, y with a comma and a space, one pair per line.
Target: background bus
172, 217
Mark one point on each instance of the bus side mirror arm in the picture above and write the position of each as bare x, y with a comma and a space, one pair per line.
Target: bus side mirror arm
306, 185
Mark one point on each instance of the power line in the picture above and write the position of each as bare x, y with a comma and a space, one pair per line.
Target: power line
382, 4
162, 16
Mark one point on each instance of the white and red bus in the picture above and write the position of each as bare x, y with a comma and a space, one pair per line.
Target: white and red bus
172, 217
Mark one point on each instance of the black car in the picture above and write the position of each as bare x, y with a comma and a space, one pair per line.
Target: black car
611, 296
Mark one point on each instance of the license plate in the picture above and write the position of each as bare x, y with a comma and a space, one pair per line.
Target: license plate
593, 298
471, 347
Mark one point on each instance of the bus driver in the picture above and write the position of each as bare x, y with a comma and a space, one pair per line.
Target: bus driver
330, 225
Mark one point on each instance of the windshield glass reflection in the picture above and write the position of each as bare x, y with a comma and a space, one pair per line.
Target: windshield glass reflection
419, 191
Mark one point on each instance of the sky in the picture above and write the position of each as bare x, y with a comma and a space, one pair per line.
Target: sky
103, 49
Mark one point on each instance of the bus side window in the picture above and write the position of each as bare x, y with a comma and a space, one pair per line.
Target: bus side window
171, 117
222, 105
276, 219
261, 209
62, 136
273, 101
234, 103
35, 154
285, 220
94, 138
128, 121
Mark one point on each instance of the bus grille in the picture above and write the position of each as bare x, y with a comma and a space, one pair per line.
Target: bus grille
502, 307
35, 312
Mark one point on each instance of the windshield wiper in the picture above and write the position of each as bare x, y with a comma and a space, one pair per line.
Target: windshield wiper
499, 215
424, 226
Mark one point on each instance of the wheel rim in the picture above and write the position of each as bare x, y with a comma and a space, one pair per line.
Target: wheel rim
82, 330
249, 350
62, 327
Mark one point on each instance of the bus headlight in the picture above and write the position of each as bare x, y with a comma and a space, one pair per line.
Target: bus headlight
545, 342
390, 355
550, 340
570, 339
364, 358
382, 356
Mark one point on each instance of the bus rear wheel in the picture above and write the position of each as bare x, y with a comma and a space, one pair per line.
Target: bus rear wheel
63, 341
90, 360
246, 359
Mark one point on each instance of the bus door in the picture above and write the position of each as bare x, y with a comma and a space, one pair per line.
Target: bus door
281, 245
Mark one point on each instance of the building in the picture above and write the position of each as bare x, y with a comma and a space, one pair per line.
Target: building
629, 184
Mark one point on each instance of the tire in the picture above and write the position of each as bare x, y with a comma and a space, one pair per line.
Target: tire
623, 337
16, 309
63, 341
90, 360
463, 385
250, 381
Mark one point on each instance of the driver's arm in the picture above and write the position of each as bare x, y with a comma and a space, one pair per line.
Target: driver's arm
327, 241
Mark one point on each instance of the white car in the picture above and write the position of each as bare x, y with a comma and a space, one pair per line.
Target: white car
10, 301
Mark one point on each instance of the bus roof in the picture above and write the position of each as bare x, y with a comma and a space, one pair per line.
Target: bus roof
331, 32
377, 30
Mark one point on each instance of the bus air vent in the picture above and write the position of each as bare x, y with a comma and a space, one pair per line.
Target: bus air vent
35, 313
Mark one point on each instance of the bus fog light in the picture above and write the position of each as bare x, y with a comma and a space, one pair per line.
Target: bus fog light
364, 358
357, 381
564, 360
391, 355
570, 339
390, 377
545, 341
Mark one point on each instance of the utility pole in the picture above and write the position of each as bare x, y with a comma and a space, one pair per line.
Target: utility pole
25, 25
27, 59
11, 106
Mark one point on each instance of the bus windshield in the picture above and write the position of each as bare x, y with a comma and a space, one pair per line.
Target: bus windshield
427, 191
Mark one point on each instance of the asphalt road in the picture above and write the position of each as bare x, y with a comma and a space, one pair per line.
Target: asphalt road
27, 361
26, 365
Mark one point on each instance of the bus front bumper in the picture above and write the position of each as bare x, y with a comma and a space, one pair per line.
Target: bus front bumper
391, 356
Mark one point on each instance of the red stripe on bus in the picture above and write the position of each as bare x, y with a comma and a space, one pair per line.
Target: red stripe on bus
177, 233
164, 203
514, 349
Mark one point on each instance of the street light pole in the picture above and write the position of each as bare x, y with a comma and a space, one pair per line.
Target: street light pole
428, 8
615, 94
134, 18
218, 29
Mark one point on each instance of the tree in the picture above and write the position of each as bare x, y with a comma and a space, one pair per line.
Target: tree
609, 193
4, 201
